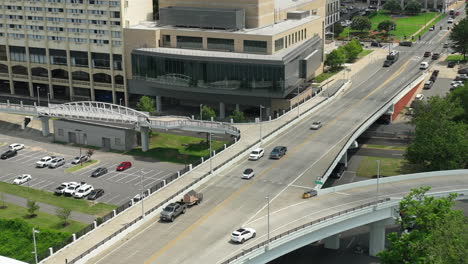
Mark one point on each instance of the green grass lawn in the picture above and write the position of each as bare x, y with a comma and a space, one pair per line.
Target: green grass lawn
454, 57
364, 53
384, 147
388, 167
79, 166
176, 148
324, 76
42, 220
78, 205
430, 25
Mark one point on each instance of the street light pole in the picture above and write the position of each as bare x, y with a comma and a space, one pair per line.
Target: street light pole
268, 220
79, 143
260, 120
38, 98
378, 177
211, 158
120, 103
201, 113
141, 196
34, 231
298, 102
48, 99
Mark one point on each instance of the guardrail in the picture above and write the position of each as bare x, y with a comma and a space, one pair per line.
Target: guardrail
356, 131
215, 126
320, 220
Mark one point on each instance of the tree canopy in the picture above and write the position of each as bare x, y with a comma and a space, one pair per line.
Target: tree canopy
460, 95
386, 25
440, 141
337, 29
336, 58
413, 7
361, 23
432, 231
146, 104
208, 113
393, 6
238, 116
352, 49
459, 37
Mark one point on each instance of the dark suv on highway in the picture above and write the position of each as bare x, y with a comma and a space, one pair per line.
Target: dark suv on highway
278, 152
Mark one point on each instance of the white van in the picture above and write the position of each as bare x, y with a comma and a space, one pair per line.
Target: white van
424, 65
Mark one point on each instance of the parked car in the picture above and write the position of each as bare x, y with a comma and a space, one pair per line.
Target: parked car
8, 154
16, 146
99, 172
406, 43
59, 190
316, 125
71, 189
450, 20
446, 45
424, 65
44, 162
457, 82
428, 85
375, 44
83, 191
427, 54
256, 154
278, 152
461, 77
243, 234
435, 56
79, 159
419, 97
248, 173
124, 165
463, 71
95, 194
57, 162
338, 171
22, 179
451, 64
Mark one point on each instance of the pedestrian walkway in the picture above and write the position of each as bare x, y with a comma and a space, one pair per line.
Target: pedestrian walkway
250, 134
47, 208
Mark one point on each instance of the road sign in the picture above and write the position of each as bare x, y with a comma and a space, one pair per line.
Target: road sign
318, 182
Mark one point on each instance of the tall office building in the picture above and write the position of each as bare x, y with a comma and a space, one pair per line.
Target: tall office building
227, 54
66, 49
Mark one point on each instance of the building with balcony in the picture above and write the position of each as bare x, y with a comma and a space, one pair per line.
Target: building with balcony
226, 54
67, 49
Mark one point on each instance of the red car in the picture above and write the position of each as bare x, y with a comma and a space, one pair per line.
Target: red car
124, 165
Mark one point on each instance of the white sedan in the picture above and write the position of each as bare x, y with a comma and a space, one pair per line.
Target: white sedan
78, 159
316, 125
22, 179
256, 154
248, 173
243, 234
16, 146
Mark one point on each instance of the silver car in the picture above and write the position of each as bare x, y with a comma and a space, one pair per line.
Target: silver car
57, 162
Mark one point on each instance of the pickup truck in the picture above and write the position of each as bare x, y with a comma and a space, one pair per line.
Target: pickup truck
173, 210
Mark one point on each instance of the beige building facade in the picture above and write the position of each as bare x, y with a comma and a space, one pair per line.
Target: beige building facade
67, 49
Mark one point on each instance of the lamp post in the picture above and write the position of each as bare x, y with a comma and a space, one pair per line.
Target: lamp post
298, 102
378, 177
79, 143
268, 221
34, 231
211, 158
120, 103
48, 99
38, 98
201, 113
260, 120
141, 196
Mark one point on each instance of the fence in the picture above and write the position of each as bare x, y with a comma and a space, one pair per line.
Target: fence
293, 230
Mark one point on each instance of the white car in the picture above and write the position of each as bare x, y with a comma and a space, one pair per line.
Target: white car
456, 83
316, 125
243, 234
419, 97
57, 162
22, 179
78, 159
83, 191
71, 189
424, 65
44, 162
256, 154
450, 20
59, 190
16, 146
248, 173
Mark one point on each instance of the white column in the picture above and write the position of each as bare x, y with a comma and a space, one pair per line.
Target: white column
222, 110
332, 242
237, 107
144, 131
377, 238
45, 126
158, 104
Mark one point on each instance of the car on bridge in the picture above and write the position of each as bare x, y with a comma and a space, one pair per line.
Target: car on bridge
427, 54
248, 173
256, 154
8, 154
424, 65
278, 152
243, 234
316, 125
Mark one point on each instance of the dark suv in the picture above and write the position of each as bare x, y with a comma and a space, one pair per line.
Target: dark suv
338, 171
406, 43
8, 154
278, 152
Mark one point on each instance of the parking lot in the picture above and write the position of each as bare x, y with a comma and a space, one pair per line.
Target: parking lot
119, 186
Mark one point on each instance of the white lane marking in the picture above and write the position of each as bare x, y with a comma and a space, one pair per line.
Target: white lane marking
45, 187
32, 185
6, 175
302, 187
342, 193
48, 183
114, 197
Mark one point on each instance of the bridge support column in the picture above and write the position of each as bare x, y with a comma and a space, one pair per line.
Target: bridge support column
344, 159
333, 242
222, 110
267, 111
144, 131
45, 126
158, 104
237, 107
377, 237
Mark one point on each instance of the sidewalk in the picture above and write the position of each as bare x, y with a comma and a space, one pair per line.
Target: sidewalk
50, 209
250, 133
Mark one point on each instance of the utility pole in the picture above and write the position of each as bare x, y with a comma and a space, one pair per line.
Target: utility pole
211, 157
141, 196
378, 177
38, 98
268, 221
79, 143
34, 231
201, 113
260, 120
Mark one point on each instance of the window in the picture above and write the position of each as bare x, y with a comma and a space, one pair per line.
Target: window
31, 27
35, 18
99, 41
57, 38
33, 8
36, 37
255, 46
75, 11
116, 43
98, 31
100, 60
79, 58
3, 53
37, 55
58, 57
115, 14
60, 132
97, 12
77, 30
78, 40
279, 44
166, 39
55, 10
185, 42
117, 61
17, 53
220, 44
56, 29
116, 34
16, 36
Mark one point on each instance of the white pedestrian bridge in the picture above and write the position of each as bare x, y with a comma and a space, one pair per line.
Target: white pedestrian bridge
377, 211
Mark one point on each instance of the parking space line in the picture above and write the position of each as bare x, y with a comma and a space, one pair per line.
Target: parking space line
120, 202
117, 174
10, 179
153, 182
144, 172
6, 175
114, 197
32, 185
129, 175
43, 186
33, 157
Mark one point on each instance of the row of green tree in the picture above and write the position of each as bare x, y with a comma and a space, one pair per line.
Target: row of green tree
412, 7
345, 53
